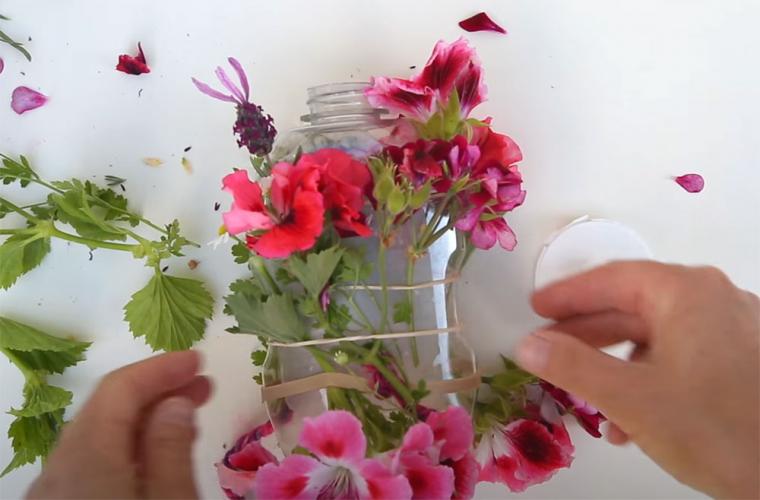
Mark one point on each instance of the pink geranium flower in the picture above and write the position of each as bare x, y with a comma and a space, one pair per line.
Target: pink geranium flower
453, 66
291, 221
420, 161
237, 471
587, 415
418, 460
523, 453
338, 469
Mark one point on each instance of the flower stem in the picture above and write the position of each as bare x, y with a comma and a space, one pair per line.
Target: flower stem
57, 233
10, 231
260, 266
411, 259
383, 271
18, 210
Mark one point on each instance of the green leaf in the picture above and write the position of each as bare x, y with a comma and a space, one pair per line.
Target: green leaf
13, 170
396, 201
41, 399
402, 312
241, 253
354, 267
315, 272
169, 312
74, 209
275, 318
339, 316
21, 253
16, 45
38, 350
258, 357
33, 437
508, 381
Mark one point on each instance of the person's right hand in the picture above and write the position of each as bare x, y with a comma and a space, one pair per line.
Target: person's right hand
690, 394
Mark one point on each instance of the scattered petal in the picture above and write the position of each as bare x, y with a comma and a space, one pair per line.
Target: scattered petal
693, 183
187, 165
2, 65
153, 162
25, 99
481, 22
133, 65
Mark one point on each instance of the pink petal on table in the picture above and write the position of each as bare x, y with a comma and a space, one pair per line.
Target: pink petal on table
2, 65
693, 183
481, 22
25, 99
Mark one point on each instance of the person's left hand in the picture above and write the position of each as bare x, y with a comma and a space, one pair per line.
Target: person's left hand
133, 438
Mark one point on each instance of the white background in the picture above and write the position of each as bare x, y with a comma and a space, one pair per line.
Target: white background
608, 101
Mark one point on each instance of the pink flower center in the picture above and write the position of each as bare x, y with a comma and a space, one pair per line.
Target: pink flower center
341, 486
331, 448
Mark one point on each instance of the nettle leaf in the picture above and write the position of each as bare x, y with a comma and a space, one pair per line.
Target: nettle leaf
315, 272
169, 312
41, 399
38, 350
21, 253
275, 318
258, 357
402, 312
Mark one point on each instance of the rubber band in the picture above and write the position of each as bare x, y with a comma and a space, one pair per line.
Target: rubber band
376, 336
346, 381
417, 286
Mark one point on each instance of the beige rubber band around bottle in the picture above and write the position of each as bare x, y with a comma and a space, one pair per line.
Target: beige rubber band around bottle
347, 381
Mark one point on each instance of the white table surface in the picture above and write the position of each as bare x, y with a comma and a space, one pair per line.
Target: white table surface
608, 101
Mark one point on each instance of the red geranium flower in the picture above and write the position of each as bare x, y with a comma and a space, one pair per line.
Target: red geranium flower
133, 65
344, 184
420, 161
291, 221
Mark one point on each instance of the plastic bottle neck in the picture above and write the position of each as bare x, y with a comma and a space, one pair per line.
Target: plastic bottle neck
340, 104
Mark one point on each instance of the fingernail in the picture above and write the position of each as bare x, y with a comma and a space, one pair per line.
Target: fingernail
533, 353
176, 410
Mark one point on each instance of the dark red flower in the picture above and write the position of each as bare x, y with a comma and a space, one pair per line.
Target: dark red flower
496, 150
420, 161
237, 470
588, 416
466, 472
133, 65
344, 184
481, 22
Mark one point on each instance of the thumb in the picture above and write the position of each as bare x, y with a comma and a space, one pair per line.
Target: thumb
167, 448
610, 384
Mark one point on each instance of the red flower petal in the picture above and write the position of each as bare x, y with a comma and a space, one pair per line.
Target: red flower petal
481, 22
133, 65
693, 183
25, 99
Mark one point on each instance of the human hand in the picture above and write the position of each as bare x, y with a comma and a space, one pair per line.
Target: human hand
689, 396
133, 438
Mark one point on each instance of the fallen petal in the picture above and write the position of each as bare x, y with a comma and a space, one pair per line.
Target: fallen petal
153, 162
187, 165
133, 65
481, 22
2, 65
693, 183
25, 99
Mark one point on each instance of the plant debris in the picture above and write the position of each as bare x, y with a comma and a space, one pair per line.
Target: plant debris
192, 264
112, 180
187, 165
153, 162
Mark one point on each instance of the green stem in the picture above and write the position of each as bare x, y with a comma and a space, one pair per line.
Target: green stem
370, 356
259, 264
429, 228
411, 259
383, 271
29, 375
334, 394
57, 233
18, 210
10, 231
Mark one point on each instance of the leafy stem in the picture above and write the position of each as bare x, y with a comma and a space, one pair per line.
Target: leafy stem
18, 210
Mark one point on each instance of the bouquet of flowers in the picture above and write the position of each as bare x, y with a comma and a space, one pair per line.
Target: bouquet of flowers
370, 386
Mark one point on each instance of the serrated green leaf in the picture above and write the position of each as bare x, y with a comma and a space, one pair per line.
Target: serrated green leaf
13, 170
169, 312
32, 438
38, 350
508, 381
354, 267
41, 399
240, 252
402, 312
73, 209
315, 272
258, 357
275, 318
21, 253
